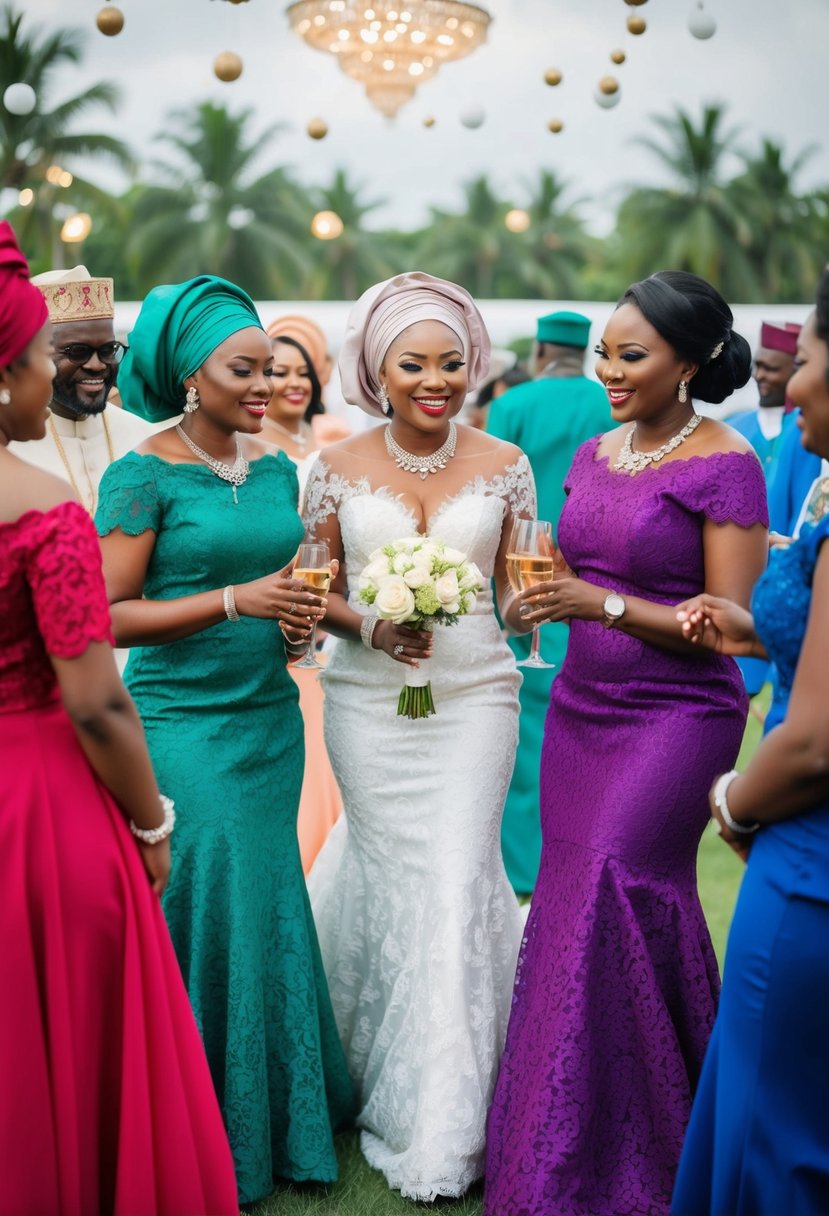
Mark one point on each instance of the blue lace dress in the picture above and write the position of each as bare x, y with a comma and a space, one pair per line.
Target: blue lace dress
225, 734
758, 1140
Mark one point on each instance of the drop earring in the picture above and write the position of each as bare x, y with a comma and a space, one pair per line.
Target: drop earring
191, 401
682, 394
5, 397
383, 398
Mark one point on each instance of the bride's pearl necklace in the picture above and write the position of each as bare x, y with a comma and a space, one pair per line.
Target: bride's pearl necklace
424, 465
632, 462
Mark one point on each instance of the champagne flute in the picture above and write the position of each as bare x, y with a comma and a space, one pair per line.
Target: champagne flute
313, 567
530, 561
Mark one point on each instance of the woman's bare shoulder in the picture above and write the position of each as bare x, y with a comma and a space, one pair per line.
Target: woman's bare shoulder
493, 453
715, 436
27, 488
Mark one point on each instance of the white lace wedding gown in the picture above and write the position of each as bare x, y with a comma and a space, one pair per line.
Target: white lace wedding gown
418, 926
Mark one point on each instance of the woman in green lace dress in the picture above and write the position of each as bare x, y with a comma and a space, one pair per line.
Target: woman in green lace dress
199, 526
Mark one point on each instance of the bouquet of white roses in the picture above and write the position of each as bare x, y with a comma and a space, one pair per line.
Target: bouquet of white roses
420, 582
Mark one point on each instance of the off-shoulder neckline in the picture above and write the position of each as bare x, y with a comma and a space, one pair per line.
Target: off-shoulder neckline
34, 512
280, 457
665, 464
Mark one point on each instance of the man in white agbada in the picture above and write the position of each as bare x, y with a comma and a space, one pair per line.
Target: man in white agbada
84, 435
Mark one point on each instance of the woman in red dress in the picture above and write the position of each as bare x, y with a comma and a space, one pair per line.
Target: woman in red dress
106, 1103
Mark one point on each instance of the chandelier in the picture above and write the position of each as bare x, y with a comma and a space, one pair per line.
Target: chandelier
389, 49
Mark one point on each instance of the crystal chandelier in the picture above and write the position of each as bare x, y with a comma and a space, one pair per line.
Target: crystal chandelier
388, 49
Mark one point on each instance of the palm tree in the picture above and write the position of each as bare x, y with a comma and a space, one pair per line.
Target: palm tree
351, 262
558, 242
691, 224
32, 144
210, 213
781, 222
473, 247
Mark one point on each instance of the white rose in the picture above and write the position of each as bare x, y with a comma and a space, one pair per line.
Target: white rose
401, 563
469, 601
395, 601
453, 608
416, 576
446, 588
470, 578
406, 545
453, 556
374, 572
425, 554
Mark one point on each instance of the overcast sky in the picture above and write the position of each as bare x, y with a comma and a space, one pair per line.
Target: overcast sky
767, 61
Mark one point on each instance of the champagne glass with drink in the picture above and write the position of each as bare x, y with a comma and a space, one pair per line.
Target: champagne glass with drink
313, 567
530, 561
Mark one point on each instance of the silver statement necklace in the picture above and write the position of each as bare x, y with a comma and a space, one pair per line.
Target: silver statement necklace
632, 462
424, 465
235, 473
300, 438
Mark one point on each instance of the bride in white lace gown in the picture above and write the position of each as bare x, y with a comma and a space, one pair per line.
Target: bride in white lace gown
418, 926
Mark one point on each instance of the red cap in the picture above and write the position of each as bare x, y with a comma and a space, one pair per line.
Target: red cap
22, 307
780, 337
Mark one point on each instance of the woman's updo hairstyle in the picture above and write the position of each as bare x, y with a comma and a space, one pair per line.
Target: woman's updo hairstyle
695, 320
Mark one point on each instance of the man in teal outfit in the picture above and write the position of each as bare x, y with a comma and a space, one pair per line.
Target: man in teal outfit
548, 418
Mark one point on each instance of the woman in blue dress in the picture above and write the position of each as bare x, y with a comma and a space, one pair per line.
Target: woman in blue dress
758, 1140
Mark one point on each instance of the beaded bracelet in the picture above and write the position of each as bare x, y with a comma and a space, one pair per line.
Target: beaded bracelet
720, 797
229, 601
367, 627
156, 835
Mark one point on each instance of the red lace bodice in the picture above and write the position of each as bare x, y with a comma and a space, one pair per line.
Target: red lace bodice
52, 600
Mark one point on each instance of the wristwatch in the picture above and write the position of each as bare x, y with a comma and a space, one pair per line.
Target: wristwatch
614, 609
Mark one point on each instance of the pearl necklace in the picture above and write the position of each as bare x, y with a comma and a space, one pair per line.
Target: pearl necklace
53, 431
424, 465
301, 439
235, 473
634, 462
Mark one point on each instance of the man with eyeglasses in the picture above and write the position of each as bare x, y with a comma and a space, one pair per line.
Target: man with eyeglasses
84, 434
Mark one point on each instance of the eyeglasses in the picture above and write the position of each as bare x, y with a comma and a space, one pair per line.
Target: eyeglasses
82, 352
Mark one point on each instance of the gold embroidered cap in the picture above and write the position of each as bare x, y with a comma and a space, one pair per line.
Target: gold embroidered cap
73, 295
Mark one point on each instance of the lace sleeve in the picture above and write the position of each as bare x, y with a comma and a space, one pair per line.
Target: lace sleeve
516, 485
128, 497
732, 488
325, 491
63, 569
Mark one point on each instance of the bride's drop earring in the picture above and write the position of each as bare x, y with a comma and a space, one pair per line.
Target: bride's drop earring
682, 395
383, 398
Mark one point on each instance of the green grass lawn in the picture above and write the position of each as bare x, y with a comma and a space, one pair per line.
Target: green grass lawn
363, 1192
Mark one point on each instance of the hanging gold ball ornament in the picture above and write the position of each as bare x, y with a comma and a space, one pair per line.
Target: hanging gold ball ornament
555, 125
227, 66
617, 56
110, 20
636, 3
608, 85
429, 121
553, 76
636, 25
317, 128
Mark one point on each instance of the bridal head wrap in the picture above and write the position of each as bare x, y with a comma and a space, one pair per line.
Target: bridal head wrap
178, 327
310, 337
385, 310
22, 306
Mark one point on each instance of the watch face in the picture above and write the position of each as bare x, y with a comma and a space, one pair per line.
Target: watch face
614, 606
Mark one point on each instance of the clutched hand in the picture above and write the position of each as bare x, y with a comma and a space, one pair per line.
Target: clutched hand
281, 597
717, 624
562, 599
401, 643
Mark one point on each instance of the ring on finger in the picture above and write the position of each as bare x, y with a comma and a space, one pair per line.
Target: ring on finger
398, 649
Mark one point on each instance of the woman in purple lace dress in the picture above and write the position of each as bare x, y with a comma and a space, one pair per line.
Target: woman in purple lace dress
617, 982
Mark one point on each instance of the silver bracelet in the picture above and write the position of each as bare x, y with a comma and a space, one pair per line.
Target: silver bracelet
156, 835
720, 797
369, 624
229, 601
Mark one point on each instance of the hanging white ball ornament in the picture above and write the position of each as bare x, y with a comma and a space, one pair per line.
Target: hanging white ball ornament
607, 100
19, 98
473, 117
701, 24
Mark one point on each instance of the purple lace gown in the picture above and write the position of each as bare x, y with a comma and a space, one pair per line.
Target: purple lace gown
617, 982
